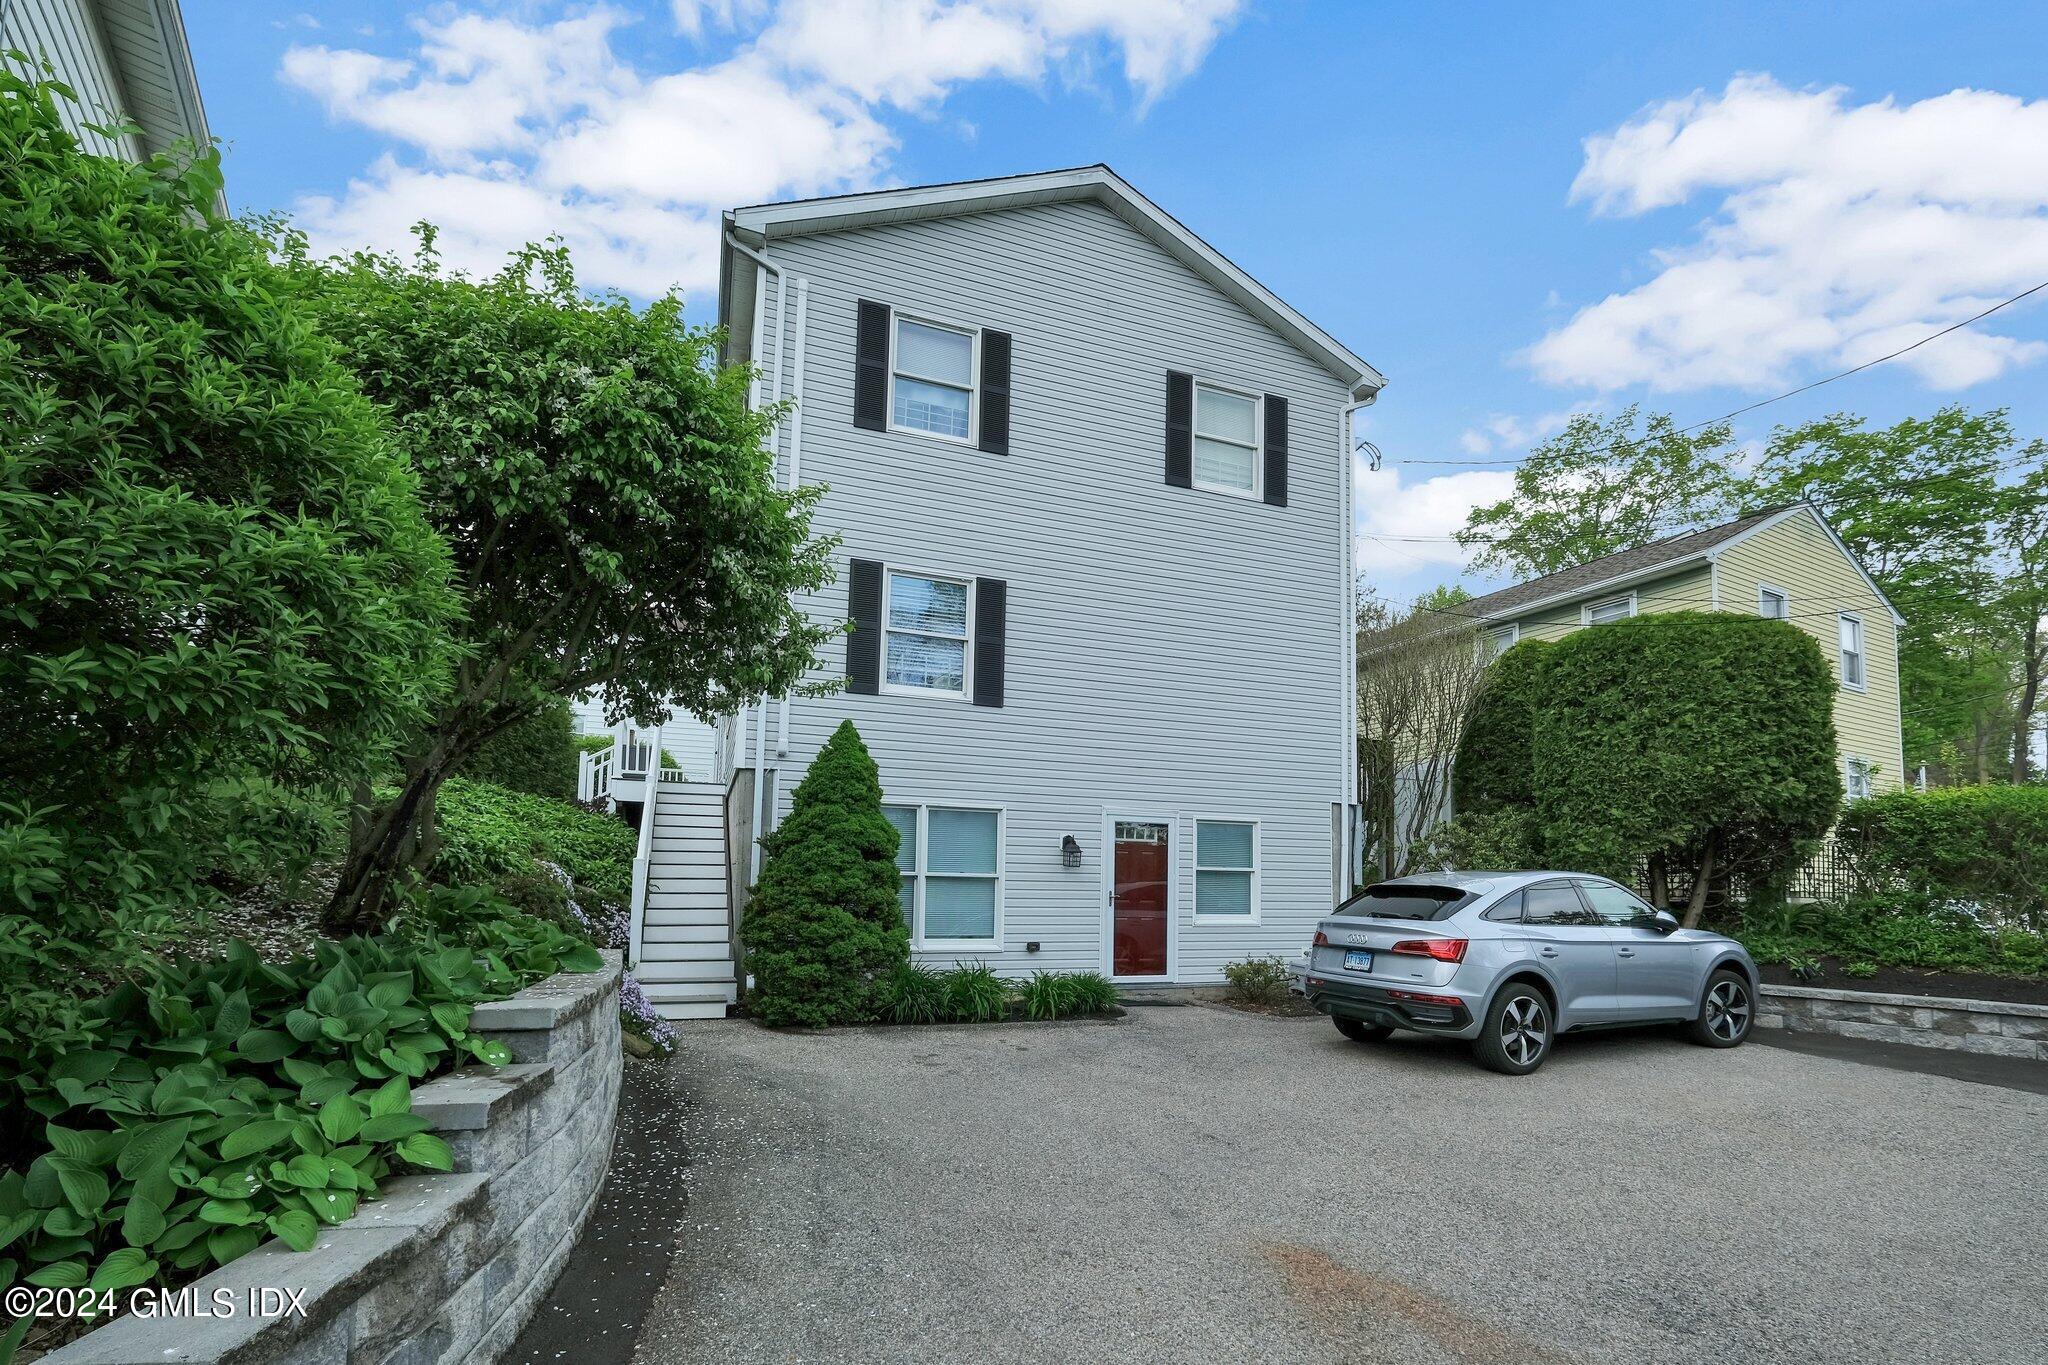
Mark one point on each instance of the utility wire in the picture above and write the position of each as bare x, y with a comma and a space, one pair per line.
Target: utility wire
1778, 398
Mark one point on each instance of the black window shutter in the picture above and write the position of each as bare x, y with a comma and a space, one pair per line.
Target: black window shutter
864, 608
871, 366
1276, 450
991, 612
995, 392
1180, 429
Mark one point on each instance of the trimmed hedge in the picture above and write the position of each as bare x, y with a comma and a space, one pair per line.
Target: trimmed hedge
537, 755
1494, 764
824, 929
1982, 845
1685, 735
1898, 930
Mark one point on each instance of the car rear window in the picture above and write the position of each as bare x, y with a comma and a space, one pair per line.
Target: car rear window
1405, 900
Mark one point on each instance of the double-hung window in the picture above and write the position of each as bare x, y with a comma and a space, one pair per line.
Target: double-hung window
1226, 441
1227, 870
927, 626
931, 377
1852, 651
1498, 641
950, 863
1855, 779
1772, 602
1612, 609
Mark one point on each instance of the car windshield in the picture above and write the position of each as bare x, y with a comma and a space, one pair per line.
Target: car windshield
1405, 900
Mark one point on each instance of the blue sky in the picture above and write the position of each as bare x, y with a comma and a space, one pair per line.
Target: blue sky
1515, 212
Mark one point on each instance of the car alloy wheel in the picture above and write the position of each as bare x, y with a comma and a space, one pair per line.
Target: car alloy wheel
1524, 1030
1728, 1010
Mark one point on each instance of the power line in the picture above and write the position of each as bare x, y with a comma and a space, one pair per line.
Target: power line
1778, 398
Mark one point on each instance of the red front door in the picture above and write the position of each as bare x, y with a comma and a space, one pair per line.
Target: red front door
1138, 908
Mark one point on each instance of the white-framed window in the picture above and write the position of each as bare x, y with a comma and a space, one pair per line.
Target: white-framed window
1227, 871
950, 861
927, 621
1851, 628
1226, 449
1498, 641
931, 378
1855, 779
1774, 603
1608, 610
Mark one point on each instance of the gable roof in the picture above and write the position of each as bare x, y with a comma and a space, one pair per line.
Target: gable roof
761, 224
1659, 557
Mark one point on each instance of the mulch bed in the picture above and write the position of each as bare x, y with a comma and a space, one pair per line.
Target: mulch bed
2024, 990
1293, 1007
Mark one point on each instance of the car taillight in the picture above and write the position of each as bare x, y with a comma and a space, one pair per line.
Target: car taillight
1322, 939
1420, 998
1442, 949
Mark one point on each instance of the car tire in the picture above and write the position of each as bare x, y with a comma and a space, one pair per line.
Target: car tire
1518, 1031
1358, 1031
1727, 1011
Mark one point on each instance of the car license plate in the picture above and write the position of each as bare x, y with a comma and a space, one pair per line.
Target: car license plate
1357, 960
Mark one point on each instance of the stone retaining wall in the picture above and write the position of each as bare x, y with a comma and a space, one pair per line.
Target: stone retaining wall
442, 1268
1995, 1027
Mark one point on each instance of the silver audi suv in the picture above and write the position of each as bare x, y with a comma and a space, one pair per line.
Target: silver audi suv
1510, 960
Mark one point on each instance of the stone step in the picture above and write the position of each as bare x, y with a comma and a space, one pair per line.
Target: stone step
689, 992
717, 971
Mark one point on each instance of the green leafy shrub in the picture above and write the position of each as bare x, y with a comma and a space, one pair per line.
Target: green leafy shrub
1705, 740
217, 1104
1046, 995
1986, 846
494, 836
1892, 930
1861, 971
914, 995
1500, 839
824, 929
214, 568
536, 755
1258, 980
1090, 993
1495, 768
975, 994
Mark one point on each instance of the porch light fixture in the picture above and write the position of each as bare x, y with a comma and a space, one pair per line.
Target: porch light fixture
1070, 851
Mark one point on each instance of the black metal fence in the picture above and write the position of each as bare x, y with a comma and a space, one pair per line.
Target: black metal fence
1828, 877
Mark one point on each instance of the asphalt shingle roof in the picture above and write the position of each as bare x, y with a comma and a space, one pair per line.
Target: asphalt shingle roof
1620, 564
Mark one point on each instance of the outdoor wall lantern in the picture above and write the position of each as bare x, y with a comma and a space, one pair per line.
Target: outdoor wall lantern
1070, 851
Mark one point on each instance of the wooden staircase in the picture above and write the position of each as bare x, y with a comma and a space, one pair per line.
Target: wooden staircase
686, 964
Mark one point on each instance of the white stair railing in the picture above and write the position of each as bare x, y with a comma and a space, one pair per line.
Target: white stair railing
637, 919
594, 775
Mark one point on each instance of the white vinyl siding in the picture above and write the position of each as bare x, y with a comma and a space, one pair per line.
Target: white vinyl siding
1774, 603
1150, 666
927, 623
66, 34
931, 378
1850, 632
950, 862
1226, 441
1226, 870
1610, 609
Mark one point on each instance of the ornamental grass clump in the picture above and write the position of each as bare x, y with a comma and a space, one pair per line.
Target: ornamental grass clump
824, 928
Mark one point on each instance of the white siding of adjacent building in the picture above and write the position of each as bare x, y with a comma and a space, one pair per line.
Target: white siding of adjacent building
68, 34
1171, 653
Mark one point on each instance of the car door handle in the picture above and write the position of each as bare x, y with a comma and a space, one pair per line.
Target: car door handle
1548, 952
1624, 952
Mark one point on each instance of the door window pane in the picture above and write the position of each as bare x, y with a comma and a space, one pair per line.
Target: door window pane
1553, 904
1613, 905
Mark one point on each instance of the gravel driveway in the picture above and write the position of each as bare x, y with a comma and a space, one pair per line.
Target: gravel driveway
1196, 1184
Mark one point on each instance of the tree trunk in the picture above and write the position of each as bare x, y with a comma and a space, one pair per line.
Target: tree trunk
1660, 883
2030, 696
1697, 904
391, 842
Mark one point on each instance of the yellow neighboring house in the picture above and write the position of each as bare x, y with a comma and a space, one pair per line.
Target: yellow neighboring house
1785, 562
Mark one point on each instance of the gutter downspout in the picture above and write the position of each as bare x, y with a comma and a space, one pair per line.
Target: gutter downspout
796, 441
761, 714
1348, 787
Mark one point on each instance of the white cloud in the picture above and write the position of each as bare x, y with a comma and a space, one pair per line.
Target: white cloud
1843, 231
1504, 431
1432, 508
503, 130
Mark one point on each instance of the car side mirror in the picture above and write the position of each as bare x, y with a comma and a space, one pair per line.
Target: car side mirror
1662, 922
